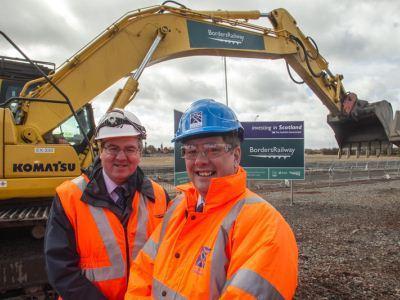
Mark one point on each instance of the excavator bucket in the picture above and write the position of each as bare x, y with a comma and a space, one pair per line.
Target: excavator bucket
395, 130
366, 129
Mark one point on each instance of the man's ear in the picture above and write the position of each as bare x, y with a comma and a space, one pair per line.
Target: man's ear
237, 155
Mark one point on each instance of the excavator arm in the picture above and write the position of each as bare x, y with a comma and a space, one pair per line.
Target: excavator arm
121, 48
155, 34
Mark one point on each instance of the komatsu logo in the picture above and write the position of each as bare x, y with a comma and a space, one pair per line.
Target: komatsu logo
41, 167
273, 152
226, 37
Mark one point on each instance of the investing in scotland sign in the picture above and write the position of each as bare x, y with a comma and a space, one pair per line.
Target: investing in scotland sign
273, 150
270, 150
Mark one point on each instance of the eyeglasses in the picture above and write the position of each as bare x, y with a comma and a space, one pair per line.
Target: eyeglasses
117, 118
114, 150
191, 152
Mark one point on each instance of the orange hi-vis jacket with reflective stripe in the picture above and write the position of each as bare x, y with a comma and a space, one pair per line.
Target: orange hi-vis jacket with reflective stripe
239, 247
101, 239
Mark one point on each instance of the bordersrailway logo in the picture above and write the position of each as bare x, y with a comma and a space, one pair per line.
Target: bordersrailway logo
272, 152
226, 37
210, 35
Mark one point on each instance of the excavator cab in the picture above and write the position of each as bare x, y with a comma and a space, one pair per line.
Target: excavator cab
42, 160
15, 72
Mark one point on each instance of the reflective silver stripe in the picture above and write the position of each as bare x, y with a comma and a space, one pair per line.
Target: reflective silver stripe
80, 182
150, 248
161, 291
117, 268
167, 217
252, 283
219, 259
253, 200
141, 227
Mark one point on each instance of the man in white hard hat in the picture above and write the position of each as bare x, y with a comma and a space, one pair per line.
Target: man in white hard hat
99, 221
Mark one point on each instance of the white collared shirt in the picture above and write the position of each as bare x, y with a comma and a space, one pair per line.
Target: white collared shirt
200, 201
110, 186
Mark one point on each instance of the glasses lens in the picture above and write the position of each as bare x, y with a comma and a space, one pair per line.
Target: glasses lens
214, 150
189, 151
210, 151
114, 150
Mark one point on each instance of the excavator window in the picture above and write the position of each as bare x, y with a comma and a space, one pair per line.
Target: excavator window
11, 88
68, 132
15, 72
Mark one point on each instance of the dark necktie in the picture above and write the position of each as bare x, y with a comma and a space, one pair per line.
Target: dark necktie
121, 201
200, 207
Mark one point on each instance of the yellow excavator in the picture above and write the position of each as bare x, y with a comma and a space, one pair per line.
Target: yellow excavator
46, 130
41, 145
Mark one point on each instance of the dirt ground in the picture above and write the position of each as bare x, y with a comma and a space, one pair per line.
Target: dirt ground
168, 160
348, 239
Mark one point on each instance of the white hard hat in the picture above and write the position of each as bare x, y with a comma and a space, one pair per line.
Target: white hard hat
119, 123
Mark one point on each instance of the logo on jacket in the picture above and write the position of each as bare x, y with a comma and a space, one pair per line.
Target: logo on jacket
201, 260
196, 119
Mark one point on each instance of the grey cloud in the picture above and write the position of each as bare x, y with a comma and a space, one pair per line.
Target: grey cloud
198, 65
36, 24
157, 88
265, 89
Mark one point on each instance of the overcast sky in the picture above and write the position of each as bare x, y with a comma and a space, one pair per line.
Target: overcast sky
359, 39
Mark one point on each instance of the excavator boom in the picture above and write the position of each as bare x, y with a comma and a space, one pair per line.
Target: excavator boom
122, 47
155, 34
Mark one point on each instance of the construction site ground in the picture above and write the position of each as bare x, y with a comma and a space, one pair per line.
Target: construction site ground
348, 238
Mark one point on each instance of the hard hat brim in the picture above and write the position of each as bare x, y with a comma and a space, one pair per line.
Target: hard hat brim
125, 130
203, 132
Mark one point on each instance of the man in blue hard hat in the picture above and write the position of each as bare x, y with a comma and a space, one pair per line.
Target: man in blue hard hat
218, 240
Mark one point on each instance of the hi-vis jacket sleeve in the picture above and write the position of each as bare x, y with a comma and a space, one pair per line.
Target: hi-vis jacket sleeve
263, 256
141, 272
62, 259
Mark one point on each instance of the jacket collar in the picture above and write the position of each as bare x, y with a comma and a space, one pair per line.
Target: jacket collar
96, 191
221, 191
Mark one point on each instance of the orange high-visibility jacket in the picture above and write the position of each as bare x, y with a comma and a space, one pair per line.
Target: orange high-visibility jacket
101, 239
239, 247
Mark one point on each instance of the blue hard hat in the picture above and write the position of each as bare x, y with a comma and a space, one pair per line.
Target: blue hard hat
207, 117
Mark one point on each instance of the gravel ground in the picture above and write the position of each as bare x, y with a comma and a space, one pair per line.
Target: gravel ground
348, 239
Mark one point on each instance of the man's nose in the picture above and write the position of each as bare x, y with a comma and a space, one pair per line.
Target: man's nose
201, 157
121, 154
